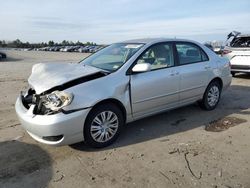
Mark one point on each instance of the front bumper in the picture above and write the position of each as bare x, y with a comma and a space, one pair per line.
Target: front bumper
68, 126
240, 63
240, 70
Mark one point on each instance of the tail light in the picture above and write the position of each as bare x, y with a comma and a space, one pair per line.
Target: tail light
224, 52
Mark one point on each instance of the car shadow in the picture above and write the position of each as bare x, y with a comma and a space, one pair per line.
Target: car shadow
242, 75
24, 165
10, 59
235, 100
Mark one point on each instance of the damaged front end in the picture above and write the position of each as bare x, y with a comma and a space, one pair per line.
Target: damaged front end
46, 104
48, 83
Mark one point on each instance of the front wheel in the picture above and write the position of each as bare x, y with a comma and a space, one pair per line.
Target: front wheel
103, 125
211, 96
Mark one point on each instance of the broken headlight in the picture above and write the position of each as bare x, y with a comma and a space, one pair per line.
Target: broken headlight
57, 100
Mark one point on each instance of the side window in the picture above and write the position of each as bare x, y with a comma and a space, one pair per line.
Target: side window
204, 56
190, 53
158, 56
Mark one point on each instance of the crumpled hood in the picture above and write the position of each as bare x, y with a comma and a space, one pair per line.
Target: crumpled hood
45, 76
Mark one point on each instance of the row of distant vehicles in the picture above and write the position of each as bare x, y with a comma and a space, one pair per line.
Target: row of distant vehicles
237, 50
82, 49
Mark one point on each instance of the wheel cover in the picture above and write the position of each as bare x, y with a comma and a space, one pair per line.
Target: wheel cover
104, 126
213, 96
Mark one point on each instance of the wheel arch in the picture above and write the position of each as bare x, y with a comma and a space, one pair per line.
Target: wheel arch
217, 79
114, 102
87, 126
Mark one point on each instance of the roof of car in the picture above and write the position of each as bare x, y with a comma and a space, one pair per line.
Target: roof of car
143, 40
152, 40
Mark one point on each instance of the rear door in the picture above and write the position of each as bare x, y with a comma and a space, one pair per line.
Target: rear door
155, 90
193, 69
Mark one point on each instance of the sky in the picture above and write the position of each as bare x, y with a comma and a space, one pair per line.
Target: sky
108, 21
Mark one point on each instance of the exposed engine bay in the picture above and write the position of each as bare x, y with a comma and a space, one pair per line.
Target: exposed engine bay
53, 100
47, 103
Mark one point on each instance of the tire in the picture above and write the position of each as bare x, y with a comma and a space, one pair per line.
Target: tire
211, 96
3, 56
99, 134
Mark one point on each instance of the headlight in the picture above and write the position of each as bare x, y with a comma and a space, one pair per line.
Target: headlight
57, 100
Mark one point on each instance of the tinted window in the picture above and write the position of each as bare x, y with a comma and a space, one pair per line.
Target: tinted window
190, 53
159, 56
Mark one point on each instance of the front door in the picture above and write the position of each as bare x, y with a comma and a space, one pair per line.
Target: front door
155, 90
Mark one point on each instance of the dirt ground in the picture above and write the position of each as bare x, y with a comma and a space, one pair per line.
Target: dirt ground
171, 149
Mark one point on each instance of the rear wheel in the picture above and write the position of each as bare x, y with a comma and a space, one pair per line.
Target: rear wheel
211, 96
103, 125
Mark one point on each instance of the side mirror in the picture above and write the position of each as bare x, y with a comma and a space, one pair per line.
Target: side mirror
142, 67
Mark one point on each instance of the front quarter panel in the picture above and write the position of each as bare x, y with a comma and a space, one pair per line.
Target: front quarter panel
112, 86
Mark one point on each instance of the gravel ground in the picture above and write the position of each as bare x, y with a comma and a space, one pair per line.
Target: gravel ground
172, 149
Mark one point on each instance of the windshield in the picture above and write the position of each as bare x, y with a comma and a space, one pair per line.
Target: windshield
112, 57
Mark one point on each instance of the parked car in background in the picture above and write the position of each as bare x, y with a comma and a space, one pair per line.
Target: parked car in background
69, 48
3, 55
126, 81
84, 49
216, 49
54, 48
91, 48
51, 48
62, 48
209, 46
95, 49
87, 48
238, 52
46, 48
66, 49
74, 48
80, 49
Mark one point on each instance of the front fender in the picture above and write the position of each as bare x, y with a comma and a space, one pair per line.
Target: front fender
88, 94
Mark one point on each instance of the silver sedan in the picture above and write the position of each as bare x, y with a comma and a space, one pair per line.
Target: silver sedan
92, 101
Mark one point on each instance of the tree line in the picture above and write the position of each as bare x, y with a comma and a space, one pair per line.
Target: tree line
19, 44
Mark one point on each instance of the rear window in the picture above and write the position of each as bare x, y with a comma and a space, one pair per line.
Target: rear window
190, 53
240, 42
